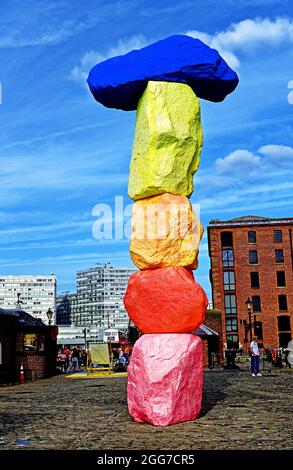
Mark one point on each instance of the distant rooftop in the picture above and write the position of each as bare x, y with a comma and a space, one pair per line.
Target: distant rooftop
252, 220
105, 266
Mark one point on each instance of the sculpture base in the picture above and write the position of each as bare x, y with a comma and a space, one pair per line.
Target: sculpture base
165, 378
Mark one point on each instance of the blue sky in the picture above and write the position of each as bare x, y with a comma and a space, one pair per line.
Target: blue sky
62, 153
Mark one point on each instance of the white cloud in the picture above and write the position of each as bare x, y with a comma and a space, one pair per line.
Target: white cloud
26, 37
67, 259
55, 135
247, 36
238, 162
279, 151
45, 23
45, 244
80, 72
271, 159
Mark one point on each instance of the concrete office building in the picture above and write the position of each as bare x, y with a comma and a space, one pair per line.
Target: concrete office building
37, 294
100, 292
79, 336
66, 308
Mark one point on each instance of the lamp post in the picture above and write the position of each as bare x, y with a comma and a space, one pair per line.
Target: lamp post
249, 310
50, 316
246, 327
84, 335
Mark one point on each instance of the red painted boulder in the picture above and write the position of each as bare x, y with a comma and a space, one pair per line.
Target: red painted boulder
165, 377
165, 300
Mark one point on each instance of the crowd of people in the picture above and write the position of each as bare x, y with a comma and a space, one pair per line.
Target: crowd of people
71, 359
121, 357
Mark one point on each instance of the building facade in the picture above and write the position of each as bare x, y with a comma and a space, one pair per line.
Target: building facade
78, 335
37, 294
99, 298
66, 308
26, 341
252, 258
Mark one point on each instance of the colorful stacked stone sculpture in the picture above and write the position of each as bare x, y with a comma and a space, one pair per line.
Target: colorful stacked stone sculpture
163, 82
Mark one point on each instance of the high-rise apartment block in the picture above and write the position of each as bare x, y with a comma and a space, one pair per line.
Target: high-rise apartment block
66, 308
100, 292
99, 298
252, 258
37, 294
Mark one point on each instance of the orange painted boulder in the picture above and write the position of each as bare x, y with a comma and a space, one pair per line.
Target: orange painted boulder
165, 300
165, 377
165, 232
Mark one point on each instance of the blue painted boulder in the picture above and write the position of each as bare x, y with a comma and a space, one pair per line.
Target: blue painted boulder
119, 82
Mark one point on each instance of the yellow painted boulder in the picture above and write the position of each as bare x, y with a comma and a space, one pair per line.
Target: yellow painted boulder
165, 232
167, 142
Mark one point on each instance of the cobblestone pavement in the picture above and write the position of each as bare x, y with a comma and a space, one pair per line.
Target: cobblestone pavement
239, 412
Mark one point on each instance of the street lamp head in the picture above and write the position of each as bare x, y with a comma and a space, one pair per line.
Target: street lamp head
50, 316
249, 304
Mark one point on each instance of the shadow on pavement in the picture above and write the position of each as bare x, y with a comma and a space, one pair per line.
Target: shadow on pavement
213, 390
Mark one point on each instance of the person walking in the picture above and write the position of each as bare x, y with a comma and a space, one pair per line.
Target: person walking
254, 357
66, 352
74, 359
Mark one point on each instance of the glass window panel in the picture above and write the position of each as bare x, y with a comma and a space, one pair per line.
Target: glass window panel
227, 258
231, 324
253, 257
278, 235
283, 302
229, 280
230, 304
284, 323
256, 303
251, 237
281, 279
254, 277
232, 342
279, 255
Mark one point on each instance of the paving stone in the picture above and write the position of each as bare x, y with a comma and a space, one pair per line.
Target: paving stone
72, 414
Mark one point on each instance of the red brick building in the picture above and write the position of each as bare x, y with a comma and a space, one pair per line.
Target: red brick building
212, 340
252, 257
26, 341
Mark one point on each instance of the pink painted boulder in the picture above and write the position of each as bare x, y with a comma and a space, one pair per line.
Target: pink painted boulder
165, 377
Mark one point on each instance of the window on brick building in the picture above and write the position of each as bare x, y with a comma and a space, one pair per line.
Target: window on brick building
258, 329
226, 239
230, 304
284, 339
228, 258
251, 237
279, 255
254, 278
281, 279
256, 303
284, 323
232, 342
283, 302
278, 236
229, 280
231, 324
284, 331
253, 257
